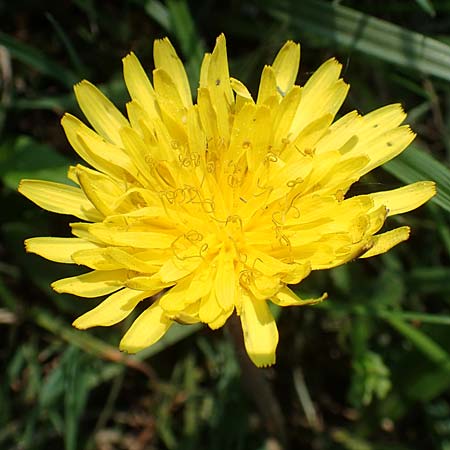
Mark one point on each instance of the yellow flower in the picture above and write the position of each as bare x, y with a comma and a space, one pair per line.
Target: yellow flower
219, 205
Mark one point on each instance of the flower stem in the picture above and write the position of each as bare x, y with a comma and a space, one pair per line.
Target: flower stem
257, 386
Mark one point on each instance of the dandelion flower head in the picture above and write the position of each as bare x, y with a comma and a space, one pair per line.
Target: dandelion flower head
214, 208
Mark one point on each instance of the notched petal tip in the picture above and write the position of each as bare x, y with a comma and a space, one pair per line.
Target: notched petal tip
260, 331
78, 324
65, 117
130, 55
26, 244
382, 243
128, 349
332, 63
55, 287
20, 186
263, 359
432, 186
81, 84
221, 39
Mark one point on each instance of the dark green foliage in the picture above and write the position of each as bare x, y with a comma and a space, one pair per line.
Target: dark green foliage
368, 369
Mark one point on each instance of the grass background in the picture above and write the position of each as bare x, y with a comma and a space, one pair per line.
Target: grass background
367, 370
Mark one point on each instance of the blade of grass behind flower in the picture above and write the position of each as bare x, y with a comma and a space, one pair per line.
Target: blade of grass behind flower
58, 104
427, 6
76, 391
361, 32
38, 60
430, 348
428, 380
99, 348
24, 157
441, 220
186, 34
437, 319
158, 12
80, 69
429, 280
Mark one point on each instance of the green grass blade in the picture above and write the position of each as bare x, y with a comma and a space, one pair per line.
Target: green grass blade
70, 48
420, 340
76, 391
158, 12
184, 29
427, 6
97, 347
38, 60
26, 158
364, 33
437, 319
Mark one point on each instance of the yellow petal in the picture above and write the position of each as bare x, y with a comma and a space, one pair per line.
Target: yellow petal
140, 153
242, 133
285, 115
204, 69
324, 77
130, 261
101, 155
388, 146
185, 293
297, 273
188, 316
57, 249
101, 190
286, 66
263, 287
175, 268
97, 259
195, 133
60, 198
267, 86
210, 309
218, 74
381, 243
240, 89
167, 94
220, 320
322, 94
139, 85
260, 139
364, 130
381, 119
147, 329
202, 282
144, 283
166, 58
137, 239
225, 282
115, 308
260, 331
81, 230
208, 116
92, 284
286, 297
342, 175
406, 198
106, 119
307, 138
